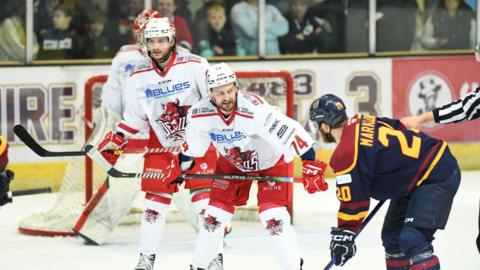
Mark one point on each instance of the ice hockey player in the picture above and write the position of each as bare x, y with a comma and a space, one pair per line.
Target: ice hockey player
379, 158
253, 138
6, 176
158, 96
103, 212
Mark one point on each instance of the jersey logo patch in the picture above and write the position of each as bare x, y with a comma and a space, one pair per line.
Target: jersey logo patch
247, 160
344, 179
173, 120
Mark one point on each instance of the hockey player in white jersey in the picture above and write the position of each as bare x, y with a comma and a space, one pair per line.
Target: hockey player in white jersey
252, 138
103, 212
100, 216
158, 96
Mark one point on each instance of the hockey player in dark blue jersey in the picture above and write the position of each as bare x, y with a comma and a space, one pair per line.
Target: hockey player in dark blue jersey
379, 158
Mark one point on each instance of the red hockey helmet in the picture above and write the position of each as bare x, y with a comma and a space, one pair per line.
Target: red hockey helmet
143, 18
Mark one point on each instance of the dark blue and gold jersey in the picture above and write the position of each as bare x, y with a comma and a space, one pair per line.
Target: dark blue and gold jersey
379, 158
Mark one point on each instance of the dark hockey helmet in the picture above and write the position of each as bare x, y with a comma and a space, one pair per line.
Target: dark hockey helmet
328, 109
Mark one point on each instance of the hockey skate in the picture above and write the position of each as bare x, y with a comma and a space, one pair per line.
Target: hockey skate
145, 262
217, 263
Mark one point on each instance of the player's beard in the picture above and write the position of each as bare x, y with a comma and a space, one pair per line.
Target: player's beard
162, 58
227, 107
327, 137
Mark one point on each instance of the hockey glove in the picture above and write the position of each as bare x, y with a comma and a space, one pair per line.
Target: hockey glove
110, 144
314, 176
342, 246
5, 179
185, 164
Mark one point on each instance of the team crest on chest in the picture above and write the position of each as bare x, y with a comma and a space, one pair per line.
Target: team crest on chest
247, 160
173, 120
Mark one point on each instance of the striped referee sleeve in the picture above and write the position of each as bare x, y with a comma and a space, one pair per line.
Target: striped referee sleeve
466, 108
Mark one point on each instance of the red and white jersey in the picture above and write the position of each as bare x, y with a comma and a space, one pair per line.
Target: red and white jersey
160, 100
123, 64
255, 137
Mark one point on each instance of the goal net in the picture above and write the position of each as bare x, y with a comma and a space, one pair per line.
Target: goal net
83, 178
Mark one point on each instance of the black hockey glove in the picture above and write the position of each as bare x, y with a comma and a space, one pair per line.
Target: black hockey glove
342, 246
5, 179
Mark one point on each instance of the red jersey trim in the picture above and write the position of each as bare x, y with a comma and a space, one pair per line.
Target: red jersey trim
355, 152
141, 71
167, 68
127, 128
204, 115
244, 115
255, 96
184, 62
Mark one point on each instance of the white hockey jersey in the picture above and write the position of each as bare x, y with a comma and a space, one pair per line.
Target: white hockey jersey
123, 64
161, 100
255, 137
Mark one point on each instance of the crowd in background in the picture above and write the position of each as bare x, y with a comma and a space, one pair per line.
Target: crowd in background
67, 29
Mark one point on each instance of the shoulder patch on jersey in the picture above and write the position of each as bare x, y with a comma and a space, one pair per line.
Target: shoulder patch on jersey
141, 67
187, 57
203, 110
244, 110
344, 157
251, 98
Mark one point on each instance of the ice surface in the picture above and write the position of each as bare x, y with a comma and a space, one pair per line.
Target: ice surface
247, 246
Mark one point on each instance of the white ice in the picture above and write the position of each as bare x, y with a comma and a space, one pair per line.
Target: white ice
247, 246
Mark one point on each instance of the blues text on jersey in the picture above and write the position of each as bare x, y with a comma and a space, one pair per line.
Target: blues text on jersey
166, 90
227, 137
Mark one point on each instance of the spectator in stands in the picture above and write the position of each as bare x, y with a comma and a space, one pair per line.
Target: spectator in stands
306, 34
184, 37
396, 21
121, 14
183, 11
201, 13
98, 40
41, 22
334, 12
68, 39
451, 26
244, 18
12, 32
217, 38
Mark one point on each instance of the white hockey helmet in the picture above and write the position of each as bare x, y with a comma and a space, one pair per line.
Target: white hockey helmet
159, 27
220, 74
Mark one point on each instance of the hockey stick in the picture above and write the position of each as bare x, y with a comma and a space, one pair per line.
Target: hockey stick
29, 141
97, 157
365, 222
31, 191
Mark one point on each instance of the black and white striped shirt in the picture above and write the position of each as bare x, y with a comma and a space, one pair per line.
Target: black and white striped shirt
466, 108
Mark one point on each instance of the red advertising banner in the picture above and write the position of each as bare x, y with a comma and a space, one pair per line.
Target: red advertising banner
421, 84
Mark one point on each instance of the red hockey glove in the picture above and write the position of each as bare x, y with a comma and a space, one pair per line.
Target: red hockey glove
314, 176
110, 144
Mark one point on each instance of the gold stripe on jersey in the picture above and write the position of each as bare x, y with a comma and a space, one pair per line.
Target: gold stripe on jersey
355, 154
348, 217
434, 163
